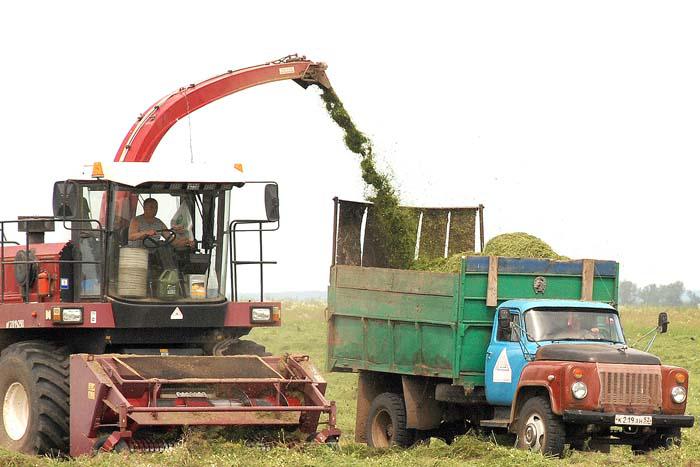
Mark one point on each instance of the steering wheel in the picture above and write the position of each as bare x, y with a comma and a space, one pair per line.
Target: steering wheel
152, 243
601, 334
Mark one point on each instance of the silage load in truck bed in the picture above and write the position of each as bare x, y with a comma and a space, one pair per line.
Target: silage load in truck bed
449, 264
520, 245
511, 245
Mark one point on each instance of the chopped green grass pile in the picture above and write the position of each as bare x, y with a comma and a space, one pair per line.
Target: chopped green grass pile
512, 245
394, 224
520, 245
449, 264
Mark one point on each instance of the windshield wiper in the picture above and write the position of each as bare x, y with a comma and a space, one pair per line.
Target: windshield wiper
523, 347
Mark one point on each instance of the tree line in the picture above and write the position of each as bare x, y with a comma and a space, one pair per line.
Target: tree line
673, 294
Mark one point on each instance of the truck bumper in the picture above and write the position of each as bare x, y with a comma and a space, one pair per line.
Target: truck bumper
585, 417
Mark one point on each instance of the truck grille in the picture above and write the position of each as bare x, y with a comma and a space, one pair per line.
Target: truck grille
630, 388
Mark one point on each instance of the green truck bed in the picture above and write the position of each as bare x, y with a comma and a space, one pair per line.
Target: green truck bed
439, 324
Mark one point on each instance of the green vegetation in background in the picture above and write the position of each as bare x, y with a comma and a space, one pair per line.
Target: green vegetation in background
673, 294
394, 224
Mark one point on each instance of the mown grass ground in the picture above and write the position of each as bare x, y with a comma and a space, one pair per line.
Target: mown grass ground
304, 331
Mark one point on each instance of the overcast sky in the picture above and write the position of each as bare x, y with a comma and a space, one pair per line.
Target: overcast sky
577, 122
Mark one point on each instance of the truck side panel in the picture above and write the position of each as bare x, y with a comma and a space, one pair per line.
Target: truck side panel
437, 324
392, 320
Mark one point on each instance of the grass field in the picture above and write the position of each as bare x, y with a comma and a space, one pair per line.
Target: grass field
303, 331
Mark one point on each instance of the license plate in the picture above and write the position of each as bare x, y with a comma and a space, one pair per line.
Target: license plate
632, 419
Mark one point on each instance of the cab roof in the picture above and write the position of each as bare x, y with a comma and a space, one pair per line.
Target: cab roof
140, 173
527, 304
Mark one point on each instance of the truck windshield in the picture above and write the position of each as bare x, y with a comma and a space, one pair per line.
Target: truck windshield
556, 324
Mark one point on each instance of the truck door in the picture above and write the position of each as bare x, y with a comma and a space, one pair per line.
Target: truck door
504, 358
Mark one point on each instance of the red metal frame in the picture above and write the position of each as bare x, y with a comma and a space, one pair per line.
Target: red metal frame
108, 394
537, 373
36, 315
151, 126
47, 257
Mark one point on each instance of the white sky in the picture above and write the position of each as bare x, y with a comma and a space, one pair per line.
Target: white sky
577, 122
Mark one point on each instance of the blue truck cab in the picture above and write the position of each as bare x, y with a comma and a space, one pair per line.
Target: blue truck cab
548, 321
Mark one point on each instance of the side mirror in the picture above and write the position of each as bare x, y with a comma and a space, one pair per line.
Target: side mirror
65, 200
272, 202
663, 322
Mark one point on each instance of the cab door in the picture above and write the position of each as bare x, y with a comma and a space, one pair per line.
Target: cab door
504, 358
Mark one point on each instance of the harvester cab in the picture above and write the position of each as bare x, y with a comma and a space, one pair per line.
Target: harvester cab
142, 242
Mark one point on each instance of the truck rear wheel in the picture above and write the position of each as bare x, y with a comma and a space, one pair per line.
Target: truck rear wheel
539, 429
386, 422
34, 396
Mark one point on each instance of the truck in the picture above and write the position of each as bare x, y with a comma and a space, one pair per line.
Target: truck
117, 329
533, 347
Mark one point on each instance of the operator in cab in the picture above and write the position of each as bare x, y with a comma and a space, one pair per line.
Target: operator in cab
148, 225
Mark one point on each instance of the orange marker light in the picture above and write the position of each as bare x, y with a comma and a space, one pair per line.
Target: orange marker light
578, 373
97, 171
238, 166
680, 378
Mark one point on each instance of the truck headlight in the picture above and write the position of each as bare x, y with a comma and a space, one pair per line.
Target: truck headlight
258, 315
579, 390
678, 394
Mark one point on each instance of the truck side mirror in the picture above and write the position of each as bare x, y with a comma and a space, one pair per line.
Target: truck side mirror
65, 199
663, 322
272, 202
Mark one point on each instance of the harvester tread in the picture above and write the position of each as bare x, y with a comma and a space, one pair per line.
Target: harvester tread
48, 366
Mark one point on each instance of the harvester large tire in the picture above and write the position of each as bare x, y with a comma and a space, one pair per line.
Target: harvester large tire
35, 397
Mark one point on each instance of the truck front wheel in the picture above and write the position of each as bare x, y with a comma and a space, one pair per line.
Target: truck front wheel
386, 422
538, 429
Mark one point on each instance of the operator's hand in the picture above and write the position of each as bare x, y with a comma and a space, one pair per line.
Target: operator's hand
149, 233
